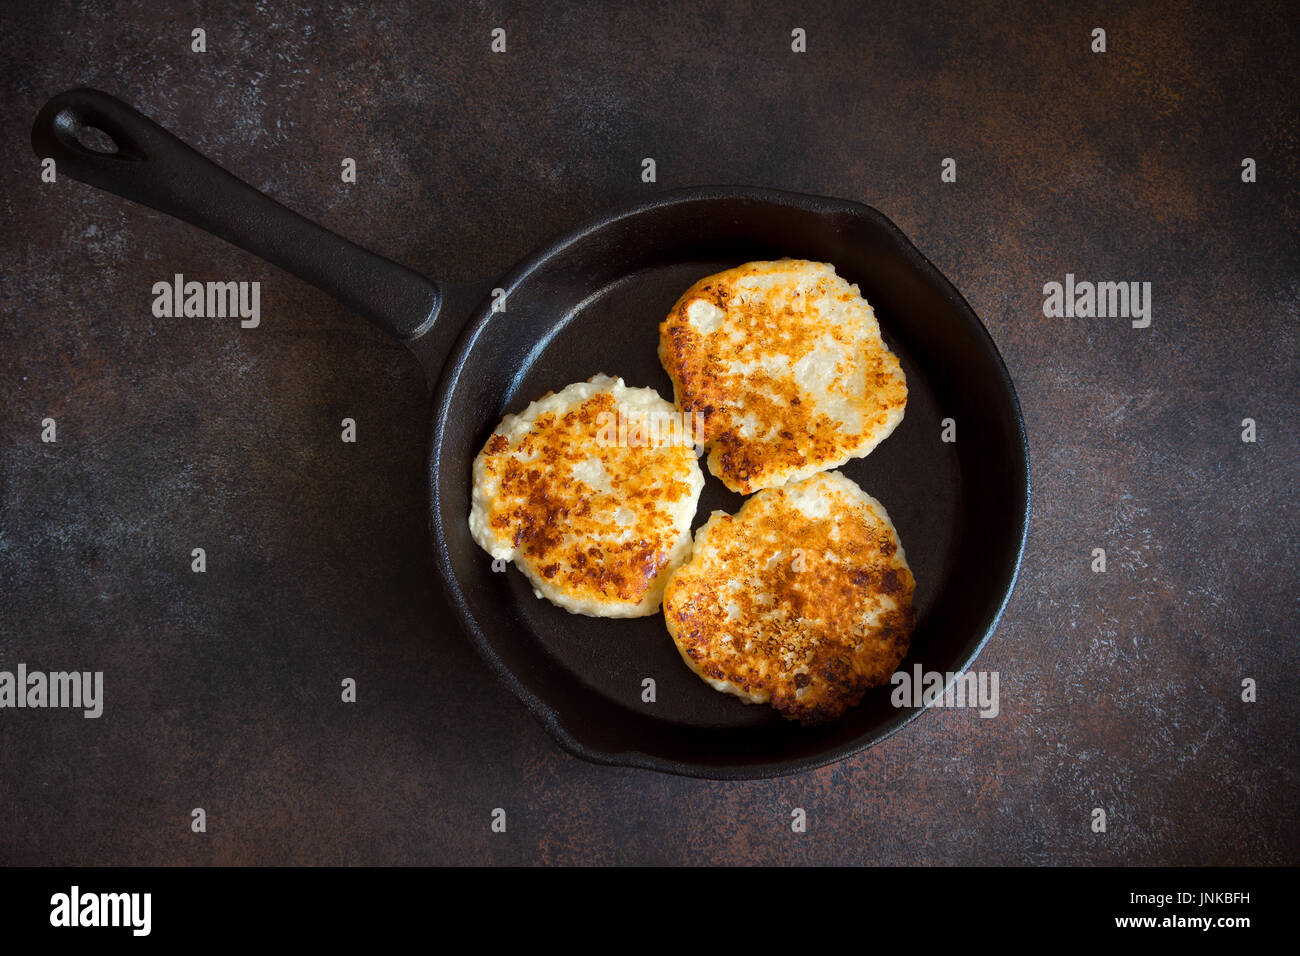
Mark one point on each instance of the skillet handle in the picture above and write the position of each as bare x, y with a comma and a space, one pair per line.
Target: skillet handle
154, 168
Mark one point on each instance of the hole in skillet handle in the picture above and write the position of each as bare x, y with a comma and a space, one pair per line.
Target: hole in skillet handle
82, 129
92, 137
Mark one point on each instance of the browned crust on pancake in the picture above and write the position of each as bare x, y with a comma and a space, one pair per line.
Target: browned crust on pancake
785, 323
553, 524
801, 638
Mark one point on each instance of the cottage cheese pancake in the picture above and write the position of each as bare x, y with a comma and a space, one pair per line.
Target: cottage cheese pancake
595, 513
785, 362
802, 599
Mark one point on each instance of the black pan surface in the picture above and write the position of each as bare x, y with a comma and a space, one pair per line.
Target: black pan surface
589, 303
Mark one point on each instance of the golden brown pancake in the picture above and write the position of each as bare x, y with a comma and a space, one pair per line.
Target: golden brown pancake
802, 599
785, 362
595, 517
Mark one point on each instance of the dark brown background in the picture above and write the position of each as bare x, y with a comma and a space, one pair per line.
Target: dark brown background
1119, 691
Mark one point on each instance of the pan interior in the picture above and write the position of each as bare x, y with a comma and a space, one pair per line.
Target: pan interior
593, 305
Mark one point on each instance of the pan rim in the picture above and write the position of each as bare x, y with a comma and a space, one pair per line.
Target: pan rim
449, 376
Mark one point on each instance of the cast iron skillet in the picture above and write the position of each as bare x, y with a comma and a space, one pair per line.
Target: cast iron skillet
591, 302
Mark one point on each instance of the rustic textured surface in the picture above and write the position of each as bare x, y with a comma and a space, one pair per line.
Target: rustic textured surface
1118, 690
